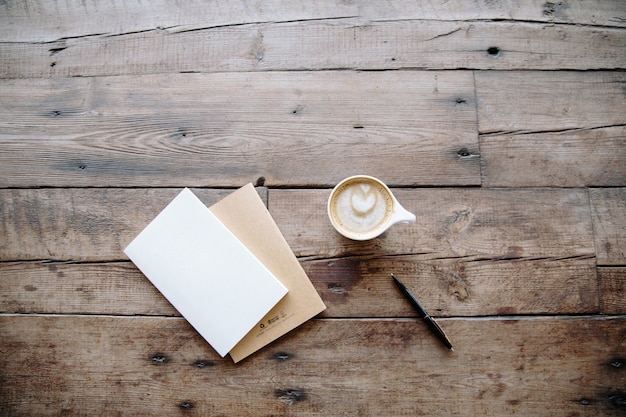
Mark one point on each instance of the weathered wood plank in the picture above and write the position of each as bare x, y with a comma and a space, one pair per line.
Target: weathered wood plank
612, 284
96, 224
473, 252
608, 209
116, 288
451, 223
349, 287
317, 45
71, 365
527, 102
80, 224
453, 287
37, 21
593, 157
297, 128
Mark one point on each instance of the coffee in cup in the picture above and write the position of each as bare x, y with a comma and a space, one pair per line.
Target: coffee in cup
362, 207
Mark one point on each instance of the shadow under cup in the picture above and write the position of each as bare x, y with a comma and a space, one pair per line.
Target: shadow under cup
361, 207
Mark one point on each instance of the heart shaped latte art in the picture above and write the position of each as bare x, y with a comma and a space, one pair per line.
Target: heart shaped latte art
363, 199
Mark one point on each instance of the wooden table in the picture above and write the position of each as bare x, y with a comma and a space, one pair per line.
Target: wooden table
501, 125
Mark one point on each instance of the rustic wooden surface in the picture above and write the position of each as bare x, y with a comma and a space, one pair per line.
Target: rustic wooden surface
501, 124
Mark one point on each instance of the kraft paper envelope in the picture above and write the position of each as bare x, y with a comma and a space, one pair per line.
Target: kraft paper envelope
207, 274
244, 213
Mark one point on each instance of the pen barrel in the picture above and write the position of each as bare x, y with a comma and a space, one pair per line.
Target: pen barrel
432, 324
438, 331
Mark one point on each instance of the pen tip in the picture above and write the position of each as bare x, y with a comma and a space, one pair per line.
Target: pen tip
451, 349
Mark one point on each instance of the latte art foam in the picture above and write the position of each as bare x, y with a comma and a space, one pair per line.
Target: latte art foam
361, 206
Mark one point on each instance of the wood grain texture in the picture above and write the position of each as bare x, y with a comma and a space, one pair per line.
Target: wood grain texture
451, 223
571, 158
95, 225
322, 45
39, 21
353, 287
608, 208
349, 287
114, 288
146, 366
612, 284
499, 123
230, 129
549, 101
81, 224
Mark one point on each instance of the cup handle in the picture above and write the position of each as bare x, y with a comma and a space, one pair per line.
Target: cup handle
402, 215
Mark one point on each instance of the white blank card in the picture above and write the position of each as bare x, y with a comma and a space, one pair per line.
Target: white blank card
207, 274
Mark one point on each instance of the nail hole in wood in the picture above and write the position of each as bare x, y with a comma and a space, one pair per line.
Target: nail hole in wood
336, 288
493, 51
159, 358
203, 364
463, 153
290, 396
282, 356
617, 399
186, 405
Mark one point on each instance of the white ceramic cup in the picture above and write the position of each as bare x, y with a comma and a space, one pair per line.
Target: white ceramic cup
362, 207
